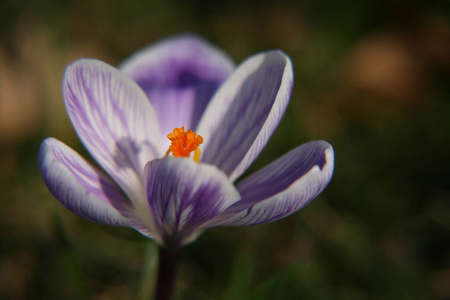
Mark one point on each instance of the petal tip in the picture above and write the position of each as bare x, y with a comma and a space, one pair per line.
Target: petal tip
328, 154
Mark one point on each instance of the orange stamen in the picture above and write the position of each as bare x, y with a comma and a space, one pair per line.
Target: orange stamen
183, 143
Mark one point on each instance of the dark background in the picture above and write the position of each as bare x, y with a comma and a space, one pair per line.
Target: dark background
371, 77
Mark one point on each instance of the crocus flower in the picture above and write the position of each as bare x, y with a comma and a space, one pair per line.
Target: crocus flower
173, 128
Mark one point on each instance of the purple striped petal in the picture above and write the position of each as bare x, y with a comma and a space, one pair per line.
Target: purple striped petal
245, 111
283, 187
183, 195
179, 76
114, 120
79, 186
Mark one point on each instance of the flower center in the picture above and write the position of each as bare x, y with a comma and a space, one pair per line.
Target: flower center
184, 142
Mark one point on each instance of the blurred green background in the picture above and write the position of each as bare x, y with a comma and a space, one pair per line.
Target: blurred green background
371, 77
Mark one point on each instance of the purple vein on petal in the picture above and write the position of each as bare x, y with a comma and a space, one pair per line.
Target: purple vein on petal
245, 111
114, 120
283, 187
179, 76
81, 187
183, 195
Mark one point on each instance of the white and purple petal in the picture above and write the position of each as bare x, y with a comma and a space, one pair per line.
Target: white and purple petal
79, 186
179, 76
184, 195
114, 120
245, 111
283, 187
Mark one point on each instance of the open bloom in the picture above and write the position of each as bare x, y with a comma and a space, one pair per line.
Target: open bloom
168, 183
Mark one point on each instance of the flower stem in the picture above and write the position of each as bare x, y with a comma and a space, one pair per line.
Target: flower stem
148, 274
168, 259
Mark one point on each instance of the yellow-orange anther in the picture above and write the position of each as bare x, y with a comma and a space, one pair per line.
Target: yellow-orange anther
183, 143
